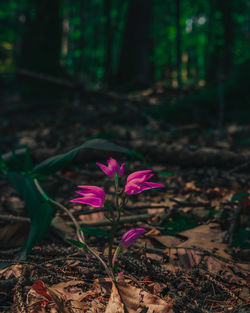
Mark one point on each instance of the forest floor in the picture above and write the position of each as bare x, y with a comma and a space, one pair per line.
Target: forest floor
195, 256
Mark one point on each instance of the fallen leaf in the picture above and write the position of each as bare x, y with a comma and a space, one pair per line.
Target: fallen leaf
10, 271
65, 297
135, 300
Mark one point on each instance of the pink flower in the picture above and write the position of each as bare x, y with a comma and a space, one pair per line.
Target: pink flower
137, 182
92, 195
112, 168
130, 236
127, 240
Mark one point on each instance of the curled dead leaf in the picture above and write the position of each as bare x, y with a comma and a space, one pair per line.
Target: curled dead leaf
133, 300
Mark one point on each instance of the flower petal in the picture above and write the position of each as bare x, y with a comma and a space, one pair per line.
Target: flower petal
94, 189
138, 174
121, 170
112, 168
130, 237
105, 169
93, 201
132, 189
113, 164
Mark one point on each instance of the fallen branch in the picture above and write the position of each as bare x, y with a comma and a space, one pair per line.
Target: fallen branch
123, 220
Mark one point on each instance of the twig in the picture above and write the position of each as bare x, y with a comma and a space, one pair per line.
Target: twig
239, 167
14, 218
130, 208
211, 277
123, 220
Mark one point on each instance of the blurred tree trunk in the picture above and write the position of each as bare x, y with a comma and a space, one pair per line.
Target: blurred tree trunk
220, 38
228, 25
43, 49
109, 42
178, 43
134, 65
42, 43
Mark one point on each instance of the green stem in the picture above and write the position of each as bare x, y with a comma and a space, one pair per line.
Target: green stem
79, 233
117, 251
111, 241
115, 220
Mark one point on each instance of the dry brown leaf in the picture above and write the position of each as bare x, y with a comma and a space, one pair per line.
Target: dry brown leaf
206, 237
65, 297
153, 232
115, 304
13, 270
136, 300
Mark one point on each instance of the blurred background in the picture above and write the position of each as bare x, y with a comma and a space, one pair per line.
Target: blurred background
188, 59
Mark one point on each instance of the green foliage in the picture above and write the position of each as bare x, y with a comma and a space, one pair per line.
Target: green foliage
179, 223
95, 231
137, 155
212, 212
40, 211
18, 160
85, 36
239, 196
56, 163
205, 102
241, 239
166, 174
18, 167
76, 243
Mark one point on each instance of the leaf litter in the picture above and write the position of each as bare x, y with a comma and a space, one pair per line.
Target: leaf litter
184, 264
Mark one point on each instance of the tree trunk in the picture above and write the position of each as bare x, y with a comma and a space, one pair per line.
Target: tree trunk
42, 43
228, 25
178, 43
219, 61
134, 65
45, 36
109, 43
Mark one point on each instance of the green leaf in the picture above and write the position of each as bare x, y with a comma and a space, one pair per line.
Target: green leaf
76, 243
241, 239
40, 211
239, 196
162, 173
137, 155
54, 164
180, 223
18, 160
95, 231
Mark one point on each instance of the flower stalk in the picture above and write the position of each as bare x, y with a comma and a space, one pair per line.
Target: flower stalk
136, 183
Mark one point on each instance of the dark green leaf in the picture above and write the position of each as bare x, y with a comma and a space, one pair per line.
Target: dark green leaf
239, 196
137, 155
76, 243
53, 164
241, 239
18, 160
162, 173
95, 231
40, 211
180, 223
